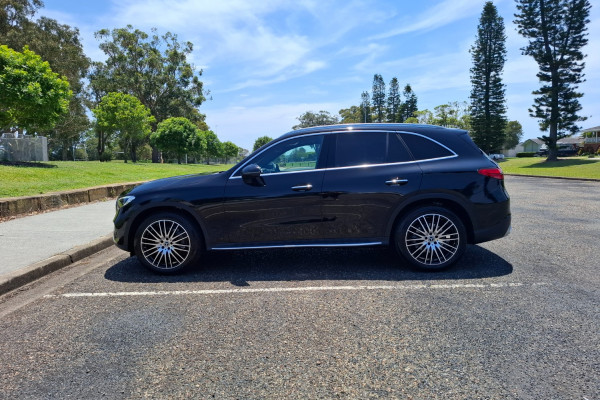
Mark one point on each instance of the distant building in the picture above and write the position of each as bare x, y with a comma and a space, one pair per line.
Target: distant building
591, 139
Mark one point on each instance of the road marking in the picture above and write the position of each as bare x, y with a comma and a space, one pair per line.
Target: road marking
298, 289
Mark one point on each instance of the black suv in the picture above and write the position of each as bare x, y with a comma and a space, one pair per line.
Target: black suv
425, 190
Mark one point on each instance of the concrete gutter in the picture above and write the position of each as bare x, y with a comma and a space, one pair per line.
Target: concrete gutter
23, 276
15, 206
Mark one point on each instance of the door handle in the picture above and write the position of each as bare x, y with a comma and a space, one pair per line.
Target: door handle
396, 182
302, 188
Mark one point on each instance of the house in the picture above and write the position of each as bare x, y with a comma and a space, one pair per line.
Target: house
591, 139
535, 145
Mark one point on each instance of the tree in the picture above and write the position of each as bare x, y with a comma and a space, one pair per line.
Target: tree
350, 115
61, 47
31, 94
365, 108
421, 117
409, 106
230, 150
260, 142
125, 116
310, 118
214, 147
453, 114
153, 69
556, 30
394, 102
15, 21
488, 107
512, 134
177, 135
378, 98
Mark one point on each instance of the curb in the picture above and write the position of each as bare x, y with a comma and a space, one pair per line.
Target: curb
15, 206
556, 177
25, 275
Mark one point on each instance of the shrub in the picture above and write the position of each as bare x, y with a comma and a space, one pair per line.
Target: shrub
526, 154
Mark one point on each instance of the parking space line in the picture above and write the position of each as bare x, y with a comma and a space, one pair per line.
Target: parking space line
299, 289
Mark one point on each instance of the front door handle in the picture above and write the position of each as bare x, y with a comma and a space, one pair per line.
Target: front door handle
302, 188
396, 182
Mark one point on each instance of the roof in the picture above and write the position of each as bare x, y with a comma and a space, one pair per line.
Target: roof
417, 128
569, 140
594, 129
538, 141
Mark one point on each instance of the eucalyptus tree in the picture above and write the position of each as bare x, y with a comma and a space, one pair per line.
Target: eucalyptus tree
154, 69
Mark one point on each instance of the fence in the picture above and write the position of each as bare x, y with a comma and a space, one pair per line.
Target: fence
24, 149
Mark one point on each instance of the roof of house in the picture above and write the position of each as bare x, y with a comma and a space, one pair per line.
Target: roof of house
594, 129
569, 140
538, 141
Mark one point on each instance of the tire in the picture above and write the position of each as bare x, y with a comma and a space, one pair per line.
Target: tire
430, 238
167, 243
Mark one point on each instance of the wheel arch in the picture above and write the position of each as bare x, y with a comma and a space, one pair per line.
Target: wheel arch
452, 204
178, 209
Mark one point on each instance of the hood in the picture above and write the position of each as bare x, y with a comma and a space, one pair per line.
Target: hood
175, 182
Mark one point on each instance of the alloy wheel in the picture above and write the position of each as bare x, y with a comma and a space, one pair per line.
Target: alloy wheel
165, 244
432, 239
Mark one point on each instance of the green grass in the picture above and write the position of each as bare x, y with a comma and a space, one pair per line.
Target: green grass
67, 175
572, 167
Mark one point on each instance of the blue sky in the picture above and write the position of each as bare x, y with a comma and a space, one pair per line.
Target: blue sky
268, 61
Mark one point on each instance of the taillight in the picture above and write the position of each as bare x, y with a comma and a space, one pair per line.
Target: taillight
495, 173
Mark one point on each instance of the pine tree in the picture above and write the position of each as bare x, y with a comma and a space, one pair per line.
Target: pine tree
488, 104
378, 98
393, 102
409, 107
556, 30
365, 108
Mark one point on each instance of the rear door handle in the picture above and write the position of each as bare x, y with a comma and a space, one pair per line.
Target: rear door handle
396, 182
302, 188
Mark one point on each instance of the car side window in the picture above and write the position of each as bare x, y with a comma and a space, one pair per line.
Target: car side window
296, 154
423, 148
364, 148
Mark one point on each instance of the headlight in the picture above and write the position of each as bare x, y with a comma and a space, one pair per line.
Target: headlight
123, 201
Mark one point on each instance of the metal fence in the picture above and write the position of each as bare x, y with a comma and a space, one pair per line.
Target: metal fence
24, 149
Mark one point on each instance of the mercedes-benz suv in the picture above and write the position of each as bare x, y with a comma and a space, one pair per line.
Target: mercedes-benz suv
424, 190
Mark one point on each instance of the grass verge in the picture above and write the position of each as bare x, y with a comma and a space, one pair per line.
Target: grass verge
572, 167
67, 175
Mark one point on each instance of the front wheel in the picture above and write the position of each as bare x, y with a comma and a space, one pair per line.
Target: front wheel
431, 238
167, 243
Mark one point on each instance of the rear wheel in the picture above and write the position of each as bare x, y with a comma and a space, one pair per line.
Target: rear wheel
167, 243
431, 238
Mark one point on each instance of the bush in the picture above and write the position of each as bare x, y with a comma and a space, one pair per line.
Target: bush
526, 154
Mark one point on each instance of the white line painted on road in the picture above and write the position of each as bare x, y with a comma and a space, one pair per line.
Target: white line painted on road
297, 289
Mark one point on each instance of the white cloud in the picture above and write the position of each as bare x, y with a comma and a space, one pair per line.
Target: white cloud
243, 125
444, 13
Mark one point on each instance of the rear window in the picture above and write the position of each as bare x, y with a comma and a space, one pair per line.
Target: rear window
423, 148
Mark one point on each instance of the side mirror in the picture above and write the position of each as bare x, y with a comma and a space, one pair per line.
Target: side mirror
251, 175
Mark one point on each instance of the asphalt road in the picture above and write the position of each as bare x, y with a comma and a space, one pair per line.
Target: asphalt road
518, 318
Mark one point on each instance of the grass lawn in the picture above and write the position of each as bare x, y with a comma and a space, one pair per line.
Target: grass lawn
66, 175
571, 167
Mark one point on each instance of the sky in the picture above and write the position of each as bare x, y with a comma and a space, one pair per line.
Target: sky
266, 62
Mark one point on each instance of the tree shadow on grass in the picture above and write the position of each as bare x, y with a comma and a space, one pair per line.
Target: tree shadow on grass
27, 164
561, 163
330, 264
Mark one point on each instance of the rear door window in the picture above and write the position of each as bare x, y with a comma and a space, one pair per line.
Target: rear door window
368, 148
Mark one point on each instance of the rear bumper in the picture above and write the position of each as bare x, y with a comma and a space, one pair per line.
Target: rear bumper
496, 231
